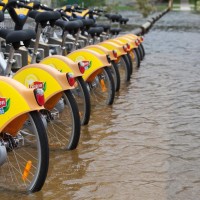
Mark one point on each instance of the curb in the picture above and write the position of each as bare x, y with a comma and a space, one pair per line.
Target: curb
143, 29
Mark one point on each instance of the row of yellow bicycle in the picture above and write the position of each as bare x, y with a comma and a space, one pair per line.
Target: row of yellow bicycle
71, 63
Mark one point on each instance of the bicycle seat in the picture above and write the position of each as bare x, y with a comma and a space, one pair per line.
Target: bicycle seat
114, 17
106, 27
44, 17
70, 26
123, 20
4, 32
115, 31
87, 23
95, 31
15, 37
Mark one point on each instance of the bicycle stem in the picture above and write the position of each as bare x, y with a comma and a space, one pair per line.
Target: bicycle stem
64, 37
77, 37
63, 42
10, 61
39, 31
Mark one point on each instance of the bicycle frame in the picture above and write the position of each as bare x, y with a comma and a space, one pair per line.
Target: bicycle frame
61, 63
70, 62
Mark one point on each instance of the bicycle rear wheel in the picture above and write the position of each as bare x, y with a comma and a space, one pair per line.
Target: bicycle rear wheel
26, 166
102, 88
63, 123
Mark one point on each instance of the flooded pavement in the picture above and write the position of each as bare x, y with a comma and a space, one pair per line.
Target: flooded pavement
147, 145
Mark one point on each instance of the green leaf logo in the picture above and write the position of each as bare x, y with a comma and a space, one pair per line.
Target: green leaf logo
39, 84
4, 105
45, 86
90, 64
7, 106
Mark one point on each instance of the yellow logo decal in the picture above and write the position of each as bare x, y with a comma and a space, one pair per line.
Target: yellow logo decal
31, 81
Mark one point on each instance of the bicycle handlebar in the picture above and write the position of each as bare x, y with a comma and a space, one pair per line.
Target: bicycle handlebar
25, 1
63, 14
13, 3
24, 6
44, 7
91, 13
69, 8
2, 4
37, 5
98, 10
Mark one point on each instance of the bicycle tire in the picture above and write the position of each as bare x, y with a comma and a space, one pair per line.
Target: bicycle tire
34, 151
116, 75
141, 53
130, 62
136, 57
82, 97
63, 123
143, 50
102, 93
124, 69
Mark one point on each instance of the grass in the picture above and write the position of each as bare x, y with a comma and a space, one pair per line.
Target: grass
161, 6
130, 8
116, 8
177, 1
157, 7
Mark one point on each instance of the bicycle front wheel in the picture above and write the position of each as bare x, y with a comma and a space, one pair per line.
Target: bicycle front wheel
116, 76
63, 123
124, 69
134, 54
82, 97
102, 88
26, 166
142, 49
130, 62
